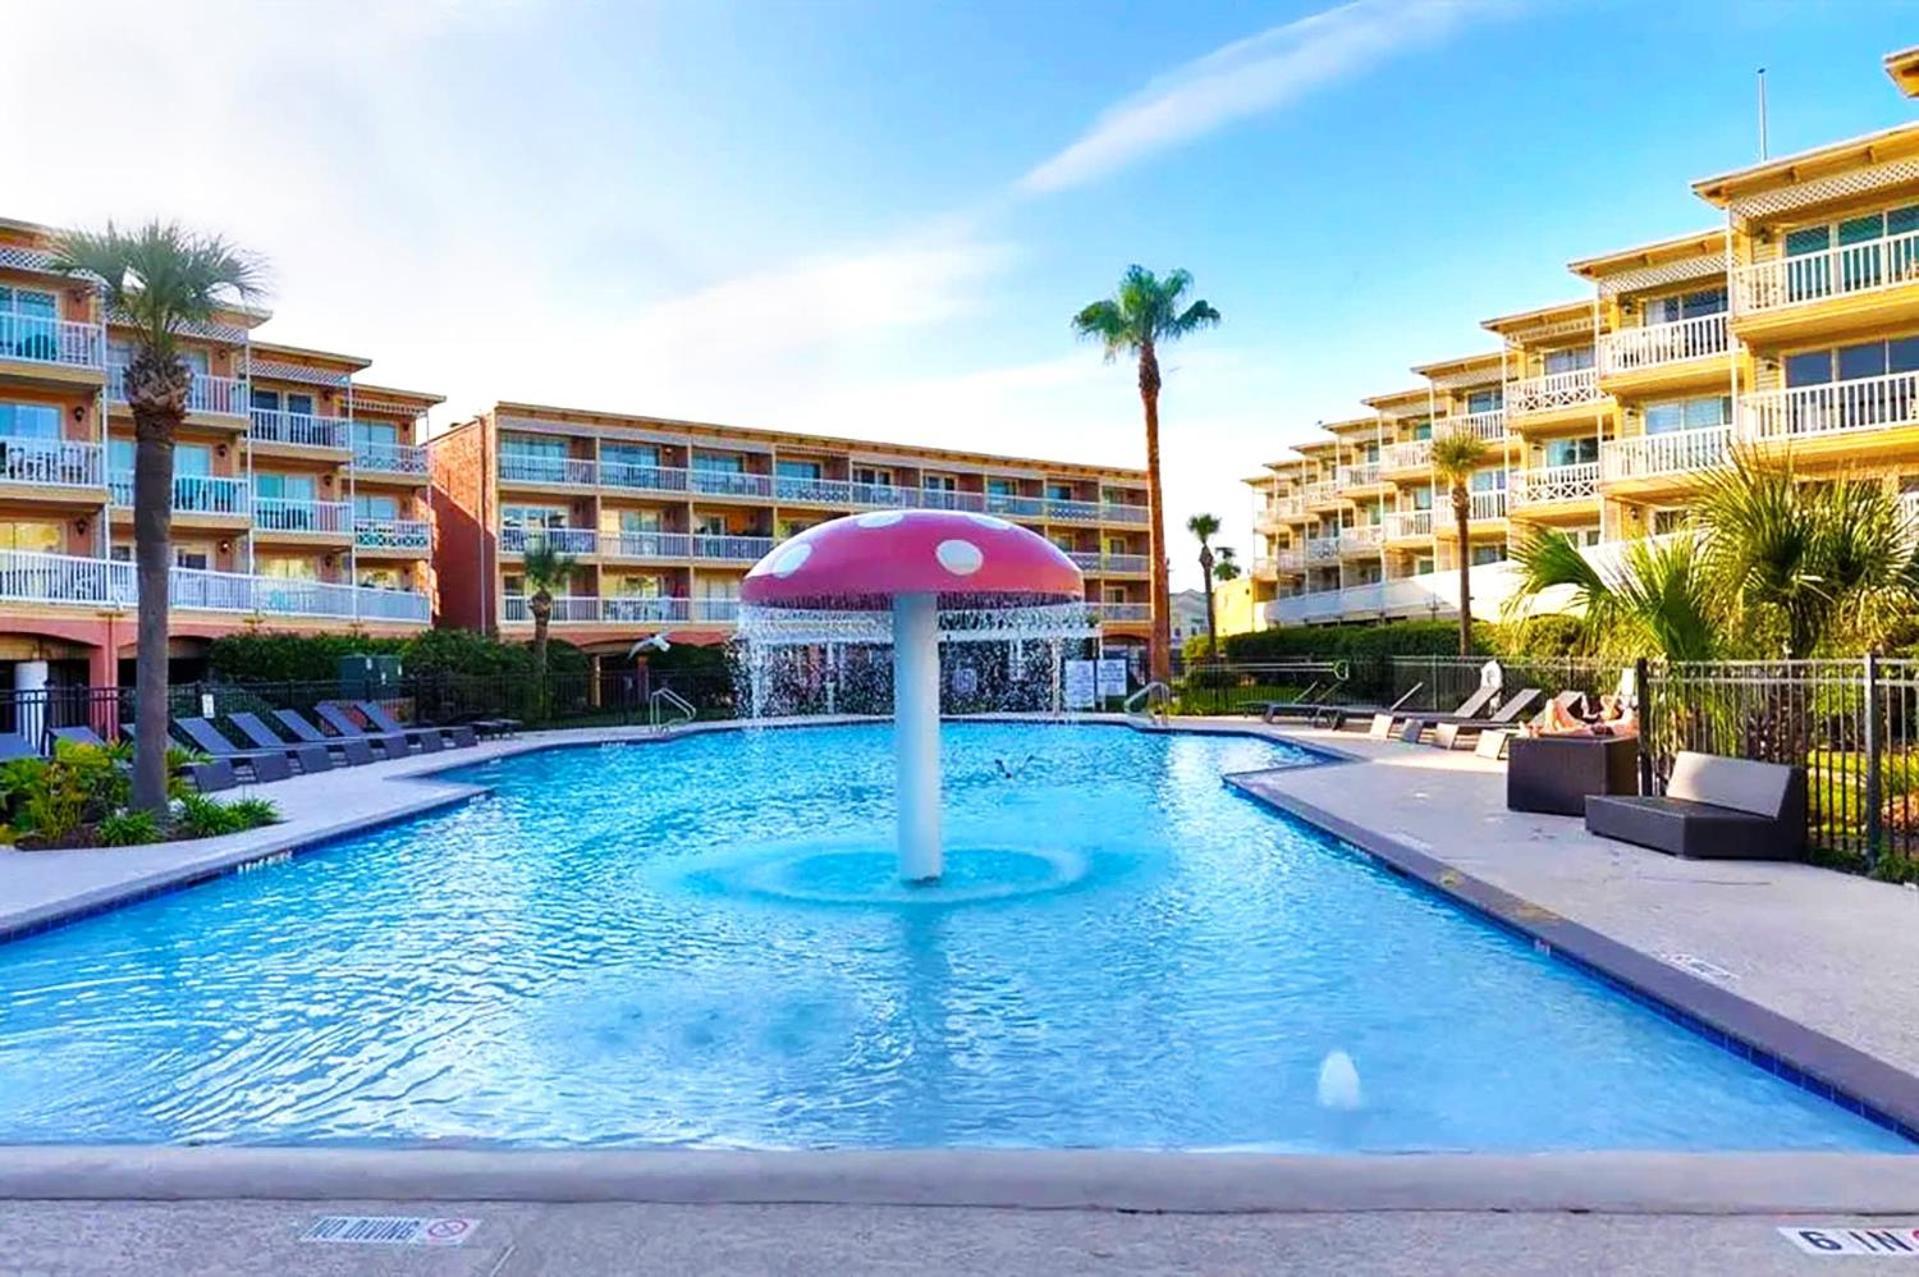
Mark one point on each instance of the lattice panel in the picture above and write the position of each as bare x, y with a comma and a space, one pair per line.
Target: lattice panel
1679, 272
295, 372
1823, 190
1461, 380
208, 331
383, 406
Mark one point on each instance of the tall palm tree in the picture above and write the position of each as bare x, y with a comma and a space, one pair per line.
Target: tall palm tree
159, 280
1456, 454
1145, 312
1206, 527
544, 569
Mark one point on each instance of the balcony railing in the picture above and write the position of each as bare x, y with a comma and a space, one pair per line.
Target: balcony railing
389, 458
1554, 390
723, 611
1322, 549
566, 608
277, 514
1486, 505
1321, 493
645, 610
1360, 476
301, 429
1291, 506
815, 491
1489, 425
1669, 452
1909, 504
1577, 482
102, 583
645, 545
527, 467
623, 609
220, 396
516, 540
192, 493
1114, 564
1631, 349
1121, 611
729, 483
1365, 539
642, 478
732, 549
1865, 267
1865, 403
36, 340
50, 463
392, 534
1404, 524
1291, 559
1414, 454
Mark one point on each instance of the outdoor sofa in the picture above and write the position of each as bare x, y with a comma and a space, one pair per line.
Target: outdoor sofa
1714, 808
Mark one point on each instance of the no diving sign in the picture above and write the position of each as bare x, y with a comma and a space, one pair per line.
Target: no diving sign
1886, 1243
390, 1230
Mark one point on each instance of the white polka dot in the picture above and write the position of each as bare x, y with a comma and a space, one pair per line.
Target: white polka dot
989, 521
881, 518
961, 558
792, 559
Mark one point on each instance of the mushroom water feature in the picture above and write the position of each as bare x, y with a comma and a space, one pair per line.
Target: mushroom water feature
932, 571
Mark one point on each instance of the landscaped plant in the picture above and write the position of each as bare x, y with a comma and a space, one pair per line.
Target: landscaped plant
544, 570
1456, 455
129, 829
1204, 528
80, 798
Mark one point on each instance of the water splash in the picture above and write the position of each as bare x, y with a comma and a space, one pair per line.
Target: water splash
1339, 1083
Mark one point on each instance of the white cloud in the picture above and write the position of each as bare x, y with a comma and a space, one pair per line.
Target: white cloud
1246, 78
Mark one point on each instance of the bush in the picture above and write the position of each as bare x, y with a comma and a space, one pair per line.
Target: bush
203, 817
264, 656
1396, 638
251, 813
50, 799
129, 829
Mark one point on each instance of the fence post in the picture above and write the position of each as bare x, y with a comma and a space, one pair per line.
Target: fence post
1874, 747
1643, 690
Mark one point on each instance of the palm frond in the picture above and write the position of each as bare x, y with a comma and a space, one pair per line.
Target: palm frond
1456, 454
544, 568
162, 277
1145, 310
1203, 526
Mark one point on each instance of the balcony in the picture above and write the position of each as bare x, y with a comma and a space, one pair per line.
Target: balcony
1486, 506
884, 496
1550, 484
1836, 407
406, 536
641, 478
1553, 392
1265, 568
390, 458
1121, 612
31, 339
1135, 515
1291, 560
574, 541
1322, 550
103, 584
1002, 503
209, 494
1320, 494
566, 608
812, 491
561, 472
1360, 476
645, 545
206, 394
1871, 266
50, 463
1414, 454
1363, 540
731, 549
1671, 452
277, 514
1431, 594
299, 429
581, 609
1406, 525
729, 483
1632, 350
1109, 564
1489, 426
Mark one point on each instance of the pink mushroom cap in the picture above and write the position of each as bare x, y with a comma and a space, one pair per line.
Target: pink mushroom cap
863, 561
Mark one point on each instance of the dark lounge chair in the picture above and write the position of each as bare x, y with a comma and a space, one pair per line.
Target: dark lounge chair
311, 757
79, 735
1471, 707
459, 736
357, 750
391, 744
265, 764
1448, 734
1713, 809
1335, 717
215, 773
1472, 710
13, 746
1305, 705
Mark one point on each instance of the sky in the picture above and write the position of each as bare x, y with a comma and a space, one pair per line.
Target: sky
875, 218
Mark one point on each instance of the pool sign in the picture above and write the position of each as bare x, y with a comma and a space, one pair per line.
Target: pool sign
390, 1230
1079, 679
1112, 676
1887, 1243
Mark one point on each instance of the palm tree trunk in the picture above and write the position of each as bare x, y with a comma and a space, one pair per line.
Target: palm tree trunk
1462, 514
1206, 583
152, 566
1161, 654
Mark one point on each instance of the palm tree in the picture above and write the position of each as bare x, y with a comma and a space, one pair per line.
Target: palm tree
1205, 527
1145, 312
1653, 600
544, 570
159, 280
1225, 564
1456, 454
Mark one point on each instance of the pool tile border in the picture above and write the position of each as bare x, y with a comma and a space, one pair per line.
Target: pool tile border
1823, 1066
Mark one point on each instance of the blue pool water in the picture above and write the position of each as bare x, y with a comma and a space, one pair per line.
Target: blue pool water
700, 943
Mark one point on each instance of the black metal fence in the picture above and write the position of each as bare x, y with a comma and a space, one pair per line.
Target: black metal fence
1440, 683
1240, 689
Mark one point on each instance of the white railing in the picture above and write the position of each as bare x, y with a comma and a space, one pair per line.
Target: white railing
1322, 492
566, 608
1865, 267
1430, 594
35, 340
633, 608
50, 463
514, 540
278, 514
389, 458
1322, 549
1122, 611
641, 477
1073, 511
192, 493
1365, 539
1669, 452
1360, 476
788, 487
1909, 503
1265, 566
1489, 425
1554, 390
719, 610
1489, 504
1289, 560
732, 549
1401, 524
1017, 507
1864, 403
1577, 482
1631, 349
885, 496
223, 396
101, 583
1138, 515
1414, 454
528, 467
729, 483
301, 429
645, 545
1290, 506
392, 534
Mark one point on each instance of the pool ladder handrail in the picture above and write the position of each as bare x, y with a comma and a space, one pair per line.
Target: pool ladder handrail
685, 712
1154, 697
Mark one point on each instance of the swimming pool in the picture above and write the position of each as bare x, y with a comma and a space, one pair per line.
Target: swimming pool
697, 943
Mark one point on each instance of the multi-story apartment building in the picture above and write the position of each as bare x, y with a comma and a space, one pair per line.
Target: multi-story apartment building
663, 518
1791, 330
299, 496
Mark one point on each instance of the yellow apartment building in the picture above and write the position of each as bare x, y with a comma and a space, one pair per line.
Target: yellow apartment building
662, 518
299, 494
1792, 329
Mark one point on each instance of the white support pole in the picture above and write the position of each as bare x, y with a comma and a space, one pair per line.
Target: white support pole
916, 734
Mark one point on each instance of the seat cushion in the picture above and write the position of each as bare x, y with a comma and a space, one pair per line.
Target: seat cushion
1681, 827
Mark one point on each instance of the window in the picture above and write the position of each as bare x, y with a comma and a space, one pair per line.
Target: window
299, 405
375, 506
811, 470
1489, 480
532, 516
35, 538
376, 432
1116, 545
1116, 594
523, 446
1422, 565
1669, 310
1669, 520
872, 477
30, 302
638, 587
711, 525
382, 579
631, 521
1002, 488
720, 588
1688, 414
197, 557
1059, 492
266, 400
29, 421
1571, 452
1424, 430
1850, 363
719, 463
285, 487
1562, 361
1476, 401
939, 483
1588, 535
1484, 554
287, 568
1423, 497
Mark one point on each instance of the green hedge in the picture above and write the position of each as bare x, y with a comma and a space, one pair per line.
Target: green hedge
265, 656
1398, 638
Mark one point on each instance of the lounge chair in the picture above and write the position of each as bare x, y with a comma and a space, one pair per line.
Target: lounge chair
357, 750
215, 773
458, 736
1384, 723
1448, 735
265, 764
312, 757
1305, 697
1713, 809
391, 744
1335, 717
80, 735
13, 746
1518, 704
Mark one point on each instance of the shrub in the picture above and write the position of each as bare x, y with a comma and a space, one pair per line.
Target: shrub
251, 813
264, 656
129, 829
203, 817
1396, 638
51, 798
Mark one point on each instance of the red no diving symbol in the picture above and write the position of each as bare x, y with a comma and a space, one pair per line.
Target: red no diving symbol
447, 1232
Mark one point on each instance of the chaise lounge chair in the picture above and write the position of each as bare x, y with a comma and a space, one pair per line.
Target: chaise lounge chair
13, 746
458, 736
1384, 723
1335, 717
357, 750
1520, 701
1305, 705
80, 735
1448, 735
311, 756
391, 744
263, 763
215, 773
